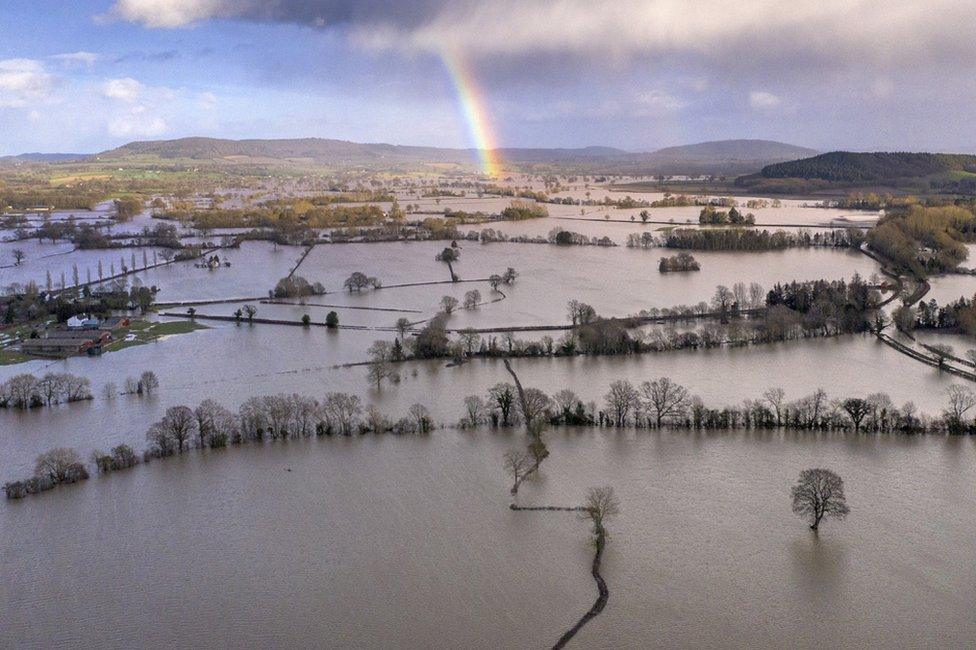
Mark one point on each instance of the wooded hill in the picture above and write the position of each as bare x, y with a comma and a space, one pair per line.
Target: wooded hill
952, 173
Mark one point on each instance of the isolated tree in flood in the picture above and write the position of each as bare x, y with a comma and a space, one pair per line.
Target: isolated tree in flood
819, 493
148, 383
472, 299
518, 463
601, 504
449, 304
449, 255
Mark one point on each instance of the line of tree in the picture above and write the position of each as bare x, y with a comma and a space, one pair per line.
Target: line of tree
211, 426
750, 239
959, 315
26, 391
796, 310
295, 286
709, 216
59, 466
681, 262
662, 402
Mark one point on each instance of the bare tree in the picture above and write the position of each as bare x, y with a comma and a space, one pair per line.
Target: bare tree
449, 304
381, 364
502, 395
534, 405
402, 326
857, 409
961, 400
622, 400
376, 421
567, 401
51, 387
819, 493
664, 398
148, 383
472, 299
342, 410
57, 463
161, 440
181, 424
519, 464
757, 295
776, 397
601, 504
22, 390
215, 424
421, 417
475, 409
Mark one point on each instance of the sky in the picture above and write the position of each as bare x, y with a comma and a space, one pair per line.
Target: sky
88, 75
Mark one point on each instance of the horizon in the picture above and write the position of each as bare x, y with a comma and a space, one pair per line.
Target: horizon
475, 150
428, 74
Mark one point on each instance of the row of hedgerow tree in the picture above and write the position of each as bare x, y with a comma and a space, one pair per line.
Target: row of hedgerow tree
662, 402
211, 426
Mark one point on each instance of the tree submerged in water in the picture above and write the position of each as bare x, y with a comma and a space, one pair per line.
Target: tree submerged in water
817, 494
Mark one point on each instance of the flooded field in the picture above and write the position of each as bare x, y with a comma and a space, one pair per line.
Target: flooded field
290, 544
309, 534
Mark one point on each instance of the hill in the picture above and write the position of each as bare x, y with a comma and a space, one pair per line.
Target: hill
735, 150
728, 157
334, 152
25, 158
879, 171
721, 157
845, 166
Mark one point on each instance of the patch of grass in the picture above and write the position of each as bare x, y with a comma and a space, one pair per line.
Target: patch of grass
10, 357
142, 331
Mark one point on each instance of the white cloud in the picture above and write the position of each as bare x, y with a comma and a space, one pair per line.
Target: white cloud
763, 100
77, 58
126, 89
656, 102
175, 13
138, 121
24, 82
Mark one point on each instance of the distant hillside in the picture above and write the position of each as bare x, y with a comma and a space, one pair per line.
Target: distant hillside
335, 152
742, 150
311, 149
722, 157
728, 157
42, 158
848, 167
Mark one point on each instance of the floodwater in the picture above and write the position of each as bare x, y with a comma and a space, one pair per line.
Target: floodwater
383, 541
409, 542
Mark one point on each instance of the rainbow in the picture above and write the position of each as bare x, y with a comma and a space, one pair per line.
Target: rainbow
472, 104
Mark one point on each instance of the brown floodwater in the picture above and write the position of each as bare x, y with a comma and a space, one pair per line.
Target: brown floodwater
409, 542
